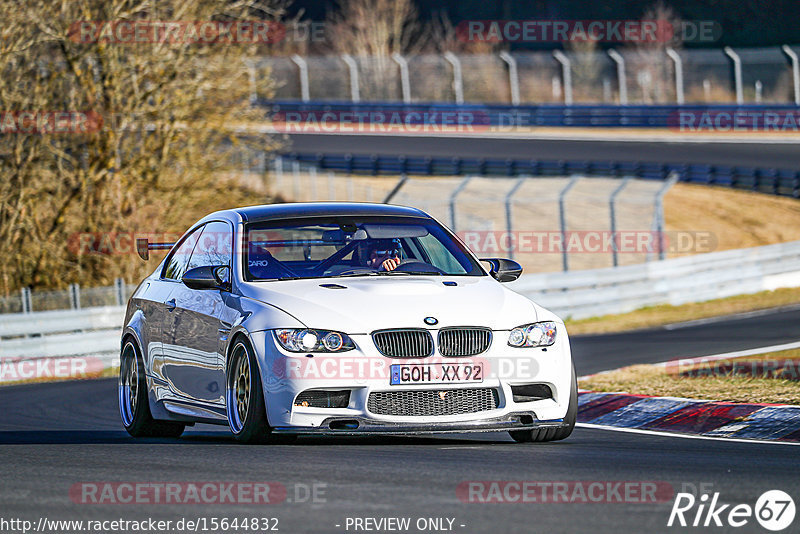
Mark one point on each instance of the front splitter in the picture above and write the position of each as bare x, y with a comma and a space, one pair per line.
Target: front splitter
360, 426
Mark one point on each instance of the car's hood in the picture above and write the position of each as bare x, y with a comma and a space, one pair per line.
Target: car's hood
372, 303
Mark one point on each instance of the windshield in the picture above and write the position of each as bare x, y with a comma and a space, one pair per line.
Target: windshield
361, 246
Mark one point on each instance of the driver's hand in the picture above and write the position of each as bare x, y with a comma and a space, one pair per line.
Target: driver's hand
390, 264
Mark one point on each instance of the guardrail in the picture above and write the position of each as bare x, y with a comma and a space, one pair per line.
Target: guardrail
508, 117
783, 182
591, 293
575, 294
79, 341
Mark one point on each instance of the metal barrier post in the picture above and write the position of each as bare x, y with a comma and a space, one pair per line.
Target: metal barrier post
355, 95
396, 188
458, 83
676, 58
566, 75
25, 294
303, 67
75, 296
562, 220
513, 76
612, 210
453, 196
405, 82
509, 221
623, 85
795, 71
119, 291
737, 73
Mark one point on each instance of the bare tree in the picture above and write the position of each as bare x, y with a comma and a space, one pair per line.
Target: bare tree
165, 118
652, 72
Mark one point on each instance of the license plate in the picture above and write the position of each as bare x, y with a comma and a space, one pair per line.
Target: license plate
436, 373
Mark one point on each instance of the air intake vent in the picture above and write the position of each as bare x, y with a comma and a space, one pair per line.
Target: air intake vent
464, 341
410, 343
317, 398
424, 403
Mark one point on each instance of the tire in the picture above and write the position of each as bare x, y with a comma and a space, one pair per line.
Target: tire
554, 433
134, 407
244, 397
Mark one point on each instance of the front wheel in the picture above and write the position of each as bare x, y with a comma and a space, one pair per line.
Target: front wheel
133, 405
247, 414
554, 433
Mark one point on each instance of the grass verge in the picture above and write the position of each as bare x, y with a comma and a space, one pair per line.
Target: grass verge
109, 372
710, 380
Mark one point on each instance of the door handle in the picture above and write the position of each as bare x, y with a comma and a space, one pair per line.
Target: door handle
170, 304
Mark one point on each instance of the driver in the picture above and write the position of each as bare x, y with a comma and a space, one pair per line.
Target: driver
384, 254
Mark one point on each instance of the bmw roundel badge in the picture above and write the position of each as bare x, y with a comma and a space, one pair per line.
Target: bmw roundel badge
430, 321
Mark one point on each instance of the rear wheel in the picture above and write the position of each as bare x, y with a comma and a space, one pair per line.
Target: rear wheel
247, 414
133, 404
554, 433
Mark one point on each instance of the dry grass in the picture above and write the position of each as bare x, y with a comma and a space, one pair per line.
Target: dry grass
665, 314
736, 218
665, 382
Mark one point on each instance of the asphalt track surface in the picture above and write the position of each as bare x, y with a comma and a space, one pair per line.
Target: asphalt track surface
56, 435
768, 155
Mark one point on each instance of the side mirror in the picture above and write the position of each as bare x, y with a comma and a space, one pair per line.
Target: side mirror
503, 270
208, 277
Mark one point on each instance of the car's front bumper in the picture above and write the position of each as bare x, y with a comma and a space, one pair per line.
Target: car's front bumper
285, 376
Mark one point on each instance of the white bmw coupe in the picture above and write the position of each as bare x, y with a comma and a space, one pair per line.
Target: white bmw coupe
338, 318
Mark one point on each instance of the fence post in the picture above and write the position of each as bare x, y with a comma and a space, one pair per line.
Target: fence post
25, 295
303, 67
737, 73
458, 83
296, 180
279, 172
509, 221
396, 188
251, 71
405, 82
119, 293
566, 75
562, 220
312, 176
513, 76
612, 211
795, 71
676, 58
75, 296
331, 187
621, 82
355, 95
453, 196
658, 213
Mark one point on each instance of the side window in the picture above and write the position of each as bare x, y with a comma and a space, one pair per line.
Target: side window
214, 246
176, 264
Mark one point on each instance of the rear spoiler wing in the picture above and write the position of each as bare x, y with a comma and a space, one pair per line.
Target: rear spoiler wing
143, 247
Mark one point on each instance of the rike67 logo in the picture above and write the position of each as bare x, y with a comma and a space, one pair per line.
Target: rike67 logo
774, 510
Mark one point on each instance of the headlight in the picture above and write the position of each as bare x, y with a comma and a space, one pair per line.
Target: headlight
307, 340
533, 335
